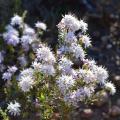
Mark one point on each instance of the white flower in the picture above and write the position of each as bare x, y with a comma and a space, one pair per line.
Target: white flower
88, 91
26, 79
13, 40
26, 39
86, 40
64, 82
83, 26
11, 30
110, 86
28, 31
70, 38
26, 83
81, 73
45, 55
71, 98
65, 65
12, 69
77, 51
11, 36
78, 95
86, 75
36, 65
72, 23
47, 69
27, 72
14, 108
41, 25
100, 73
69, 22
90, 63
7, 76
89, 76
16, 20
74, 97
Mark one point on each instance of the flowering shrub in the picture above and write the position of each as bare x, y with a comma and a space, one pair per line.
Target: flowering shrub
39, 81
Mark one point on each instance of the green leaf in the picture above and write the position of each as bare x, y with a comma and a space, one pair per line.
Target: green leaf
42, 97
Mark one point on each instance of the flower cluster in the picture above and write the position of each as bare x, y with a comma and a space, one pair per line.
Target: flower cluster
44, 63
21, 45
8, 74
11, 36
19, 40
26, 79
37, 73
78, 84
68, 27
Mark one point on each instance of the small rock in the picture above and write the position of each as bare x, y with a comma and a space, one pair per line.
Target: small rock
105, 116
117, 77
109, 46
56, 116
38, 116
87, 113
114, 111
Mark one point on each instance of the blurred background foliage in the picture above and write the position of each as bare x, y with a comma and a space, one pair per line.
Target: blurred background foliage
103, 17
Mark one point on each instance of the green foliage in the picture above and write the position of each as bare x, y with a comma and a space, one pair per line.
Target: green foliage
4, 114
